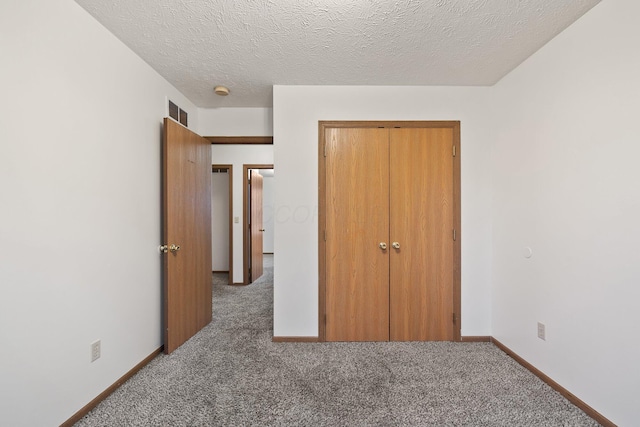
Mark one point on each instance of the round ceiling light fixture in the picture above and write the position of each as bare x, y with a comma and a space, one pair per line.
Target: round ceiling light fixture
221, 90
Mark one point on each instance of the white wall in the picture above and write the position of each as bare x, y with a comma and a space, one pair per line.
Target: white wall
80, 185
239, 155
80, 167
235, 121
268, 216
297, 110
567, 184
220, 221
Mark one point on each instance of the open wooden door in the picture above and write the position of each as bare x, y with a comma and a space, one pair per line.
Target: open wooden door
256, 226
187, 233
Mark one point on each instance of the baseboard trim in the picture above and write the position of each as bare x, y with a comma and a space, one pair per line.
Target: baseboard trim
295, 339
554, 385
238, 284
475, 339
220, 271
89, 406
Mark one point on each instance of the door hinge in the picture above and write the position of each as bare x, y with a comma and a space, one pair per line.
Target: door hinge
454, 151
325, 235
454, 234
454, 318
325, 319
325, 148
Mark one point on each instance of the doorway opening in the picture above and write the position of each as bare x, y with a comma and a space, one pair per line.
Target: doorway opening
258, 218
221, 220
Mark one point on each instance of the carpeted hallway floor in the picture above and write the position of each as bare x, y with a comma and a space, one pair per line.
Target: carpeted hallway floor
231, 374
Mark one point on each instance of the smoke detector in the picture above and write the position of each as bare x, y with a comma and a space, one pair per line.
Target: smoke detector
221, 90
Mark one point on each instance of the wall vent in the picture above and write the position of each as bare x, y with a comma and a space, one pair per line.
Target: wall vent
178, 114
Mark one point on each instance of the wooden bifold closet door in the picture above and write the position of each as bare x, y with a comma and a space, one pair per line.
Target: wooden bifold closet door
390, 255
357, 221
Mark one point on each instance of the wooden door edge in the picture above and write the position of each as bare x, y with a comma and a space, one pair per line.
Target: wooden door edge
457, 223
322, 184
164, 237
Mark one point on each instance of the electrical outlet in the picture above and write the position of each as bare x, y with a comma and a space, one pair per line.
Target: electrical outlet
541, 331
95, 350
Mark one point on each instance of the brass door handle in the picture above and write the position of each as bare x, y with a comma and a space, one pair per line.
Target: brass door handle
383, 246
262, 229
395, 245
166, 248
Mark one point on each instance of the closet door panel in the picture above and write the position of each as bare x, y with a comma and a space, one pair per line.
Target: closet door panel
421, 222
357, 221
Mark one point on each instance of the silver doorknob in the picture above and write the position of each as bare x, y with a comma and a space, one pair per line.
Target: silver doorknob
383, 246
395, 245
174, 248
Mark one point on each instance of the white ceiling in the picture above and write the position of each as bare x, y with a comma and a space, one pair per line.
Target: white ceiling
250, 45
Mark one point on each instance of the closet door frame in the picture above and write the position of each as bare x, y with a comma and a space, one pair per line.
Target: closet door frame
322, 126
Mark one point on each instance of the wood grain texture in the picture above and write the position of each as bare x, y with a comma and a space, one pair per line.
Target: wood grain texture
421, 220
480, 338
357, 204
187, 223
324, 214
256, 225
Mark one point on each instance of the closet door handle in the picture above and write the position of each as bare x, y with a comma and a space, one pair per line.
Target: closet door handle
383, 246
395, 245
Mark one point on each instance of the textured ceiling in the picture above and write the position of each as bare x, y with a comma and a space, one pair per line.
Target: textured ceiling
250, 45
